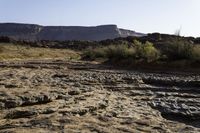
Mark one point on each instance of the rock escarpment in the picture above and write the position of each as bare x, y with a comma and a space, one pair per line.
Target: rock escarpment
61, 33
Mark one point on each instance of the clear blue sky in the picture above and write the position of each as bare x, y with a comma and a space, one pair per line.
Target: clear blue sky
146, 16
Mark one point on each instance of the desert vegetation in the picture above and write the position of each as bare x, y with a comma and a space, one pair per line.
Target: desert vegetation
151, 50
178, 51
135, 51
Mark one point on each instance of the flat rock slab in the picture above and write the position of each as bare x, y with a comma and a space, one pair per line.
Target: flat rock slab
65, 96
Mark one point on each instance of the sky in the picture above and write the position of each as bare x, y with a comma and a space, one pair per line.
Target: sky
147, 16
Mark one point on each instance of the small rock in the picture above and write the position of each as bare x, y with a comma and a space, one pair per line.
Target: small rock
74, 92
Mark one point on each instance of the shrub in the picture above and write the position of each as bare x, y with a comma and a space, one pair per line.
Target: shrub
135, 51
178, 50
149, 52
146, 51
110, 52
119, 52
89, 54
138, 48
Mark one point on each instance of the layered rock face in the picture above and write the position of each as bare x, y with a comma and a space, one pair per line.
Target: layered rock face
60, 96
61, 33
20, 31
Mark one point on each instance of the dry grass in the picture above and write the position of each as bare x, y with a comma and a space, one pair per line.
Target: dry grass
10, 51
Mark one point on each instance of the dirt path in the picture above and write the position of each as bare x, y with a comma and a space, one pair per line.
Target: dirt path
65, 96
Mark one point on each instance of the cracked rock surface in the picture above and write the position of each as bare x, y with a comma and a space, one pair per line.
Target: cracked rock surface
65, 96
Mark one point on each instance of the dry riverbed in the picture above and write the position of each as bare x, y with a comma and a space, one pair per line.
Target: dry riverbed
75, 96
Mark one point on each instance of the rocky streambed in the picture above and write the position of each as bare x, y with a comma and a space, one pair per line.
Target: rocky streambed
66, 96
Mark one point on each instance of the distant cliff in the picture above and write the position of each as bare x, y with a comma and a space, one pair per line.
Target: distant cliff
34, 32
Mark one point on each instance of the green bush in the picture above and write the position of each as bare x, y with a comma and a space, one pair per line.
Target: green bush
179, 50
176, 50
89, 54
119, 52
149, 52
135, 51
110, 52
146, 51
